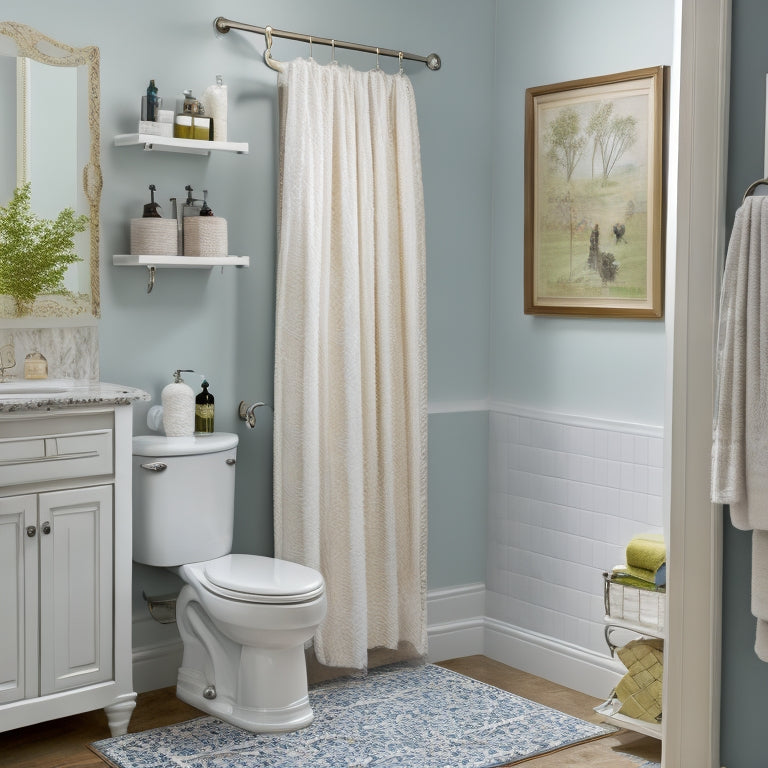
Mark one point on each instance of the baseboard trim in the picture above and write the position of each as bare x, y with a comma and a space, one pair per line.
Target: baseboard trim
456, 626
562, 663
156, 665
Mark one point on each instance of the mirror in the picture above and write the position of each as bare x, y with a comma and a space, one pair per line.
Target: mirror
50, 176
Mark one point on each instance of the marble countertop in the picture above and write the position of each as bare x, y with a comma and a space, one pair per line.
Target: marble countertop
48, 395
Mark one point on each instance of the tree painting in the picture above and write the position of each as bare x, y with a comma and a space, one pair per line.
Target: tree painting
566, 142
593, 163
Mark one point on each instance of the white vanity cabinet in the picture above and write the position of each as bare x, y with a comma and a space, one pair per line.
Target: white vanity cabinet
65, 565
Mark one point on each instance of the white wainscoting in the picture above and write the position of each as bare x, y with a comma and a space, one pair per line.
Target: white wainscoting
566, 494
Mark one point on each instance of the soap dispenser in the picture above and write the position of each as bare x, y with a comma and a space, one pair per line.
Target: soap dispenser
151, 103
204, 410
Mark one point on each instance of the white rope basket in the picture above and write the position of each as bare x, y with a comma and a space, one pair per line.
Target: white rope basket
154, 237
205, 236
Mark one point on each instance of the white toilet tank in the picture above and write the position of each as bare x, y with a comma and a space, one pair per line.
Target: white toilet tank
183, 498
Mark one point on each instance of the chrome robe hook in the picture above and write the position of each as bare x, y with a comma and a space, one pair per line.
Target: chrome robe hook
271, 63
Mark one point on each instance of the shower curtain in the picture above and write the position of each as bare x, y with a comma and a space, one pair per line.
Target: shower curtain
350, 441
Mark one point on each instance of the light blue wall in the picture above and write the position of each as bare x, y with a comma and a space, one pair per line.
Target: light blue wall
458, 498
598, 367
222, 324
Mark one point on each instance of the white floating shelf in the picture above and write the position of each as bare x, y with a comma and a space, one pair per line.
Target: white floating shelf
169, 144
180, 262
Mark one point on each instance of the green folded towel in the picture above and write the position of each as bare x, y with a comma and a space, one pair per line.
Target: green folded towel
647, 553
621, 575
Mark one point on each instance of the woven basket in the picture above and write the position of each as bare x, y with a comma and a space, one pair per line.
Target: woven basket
205, 236
154, 237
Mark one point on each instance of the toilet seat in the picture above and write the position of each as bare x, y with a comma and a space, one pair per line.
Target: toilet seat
257, 579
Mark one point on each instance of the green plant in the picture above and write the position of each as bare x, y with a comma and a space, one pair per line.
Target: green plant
35, 252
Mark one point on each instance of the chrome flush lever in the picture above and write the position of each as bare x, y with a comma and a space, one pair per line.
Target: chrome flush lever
155, 466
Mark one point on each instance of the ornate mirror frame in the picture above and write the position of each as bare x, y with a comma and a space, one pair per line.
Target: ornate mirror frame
36, 46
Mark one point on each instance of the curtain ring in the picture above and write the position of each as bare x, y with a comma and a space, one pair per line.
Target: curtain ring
333, 51
310, 46
377, 58
400, 56
268, 36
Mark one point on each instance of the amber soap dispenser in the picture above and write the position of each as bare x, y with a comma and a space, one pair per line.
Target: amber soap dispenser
204, 410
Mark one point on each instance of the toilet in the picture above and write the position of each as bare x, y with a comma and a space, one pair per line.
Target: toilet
243, 619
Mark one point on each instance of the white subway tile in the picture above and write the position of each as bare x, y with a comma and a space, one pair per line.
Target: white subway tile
627, 482
601, 444
627, 451
613, 439
587, 442
524, 429
656, 452
640, 483
626, 504
655, 481
641, 450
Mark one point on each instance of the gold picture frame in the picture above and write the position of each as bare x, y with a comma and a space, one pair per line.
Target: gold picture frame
594, 196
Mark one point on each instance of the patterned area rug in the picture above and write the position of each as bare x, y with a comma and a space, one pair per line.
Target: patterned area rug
397, 717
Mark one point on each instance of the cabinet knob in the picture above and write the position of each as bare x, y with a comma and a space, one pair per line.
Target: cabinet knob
46, 527
31, 531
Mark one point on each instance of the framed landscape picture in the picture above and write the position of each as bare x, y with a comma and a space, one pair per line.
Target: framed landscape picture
594, 196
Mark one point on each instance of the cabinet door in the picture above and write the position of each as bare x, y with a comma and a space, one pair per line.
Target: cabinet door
75, 588
18, 598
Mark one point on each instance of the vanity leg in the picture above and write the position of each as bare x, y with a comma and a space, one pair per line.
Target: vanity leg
119, 713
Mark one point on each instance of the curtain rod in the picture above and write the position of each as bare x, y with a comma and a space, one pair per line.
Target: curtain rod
224, 25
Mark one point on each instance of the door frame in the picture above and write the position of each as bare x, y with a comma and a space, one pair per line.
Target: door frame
696, 241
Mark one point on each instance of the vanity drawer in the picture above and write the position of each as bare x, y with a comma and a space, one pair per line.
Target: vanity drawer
55, 457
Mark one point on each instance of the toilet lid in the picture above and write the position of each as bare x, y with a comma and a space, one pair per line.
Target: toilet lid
263, 579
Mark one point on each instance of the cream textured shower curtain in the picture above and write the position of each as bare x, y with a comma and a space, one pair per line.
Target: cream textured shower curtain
350, 447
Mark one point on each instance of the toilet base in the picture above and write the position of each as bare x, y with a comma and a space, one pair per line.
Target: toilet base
191, 684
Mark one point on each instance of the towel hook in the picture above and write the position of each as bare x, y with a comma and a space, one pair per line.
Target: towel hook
151, 283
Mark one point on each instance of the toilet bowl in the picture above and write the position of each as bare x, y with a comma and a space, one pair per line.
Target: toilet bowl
243, 619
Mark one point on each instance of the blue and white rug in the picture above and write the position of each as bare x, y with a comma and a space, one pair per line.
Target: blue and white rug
397, 717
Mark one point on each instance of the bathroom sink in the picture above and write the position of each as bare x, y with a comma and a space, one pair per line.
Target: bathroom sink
35, 387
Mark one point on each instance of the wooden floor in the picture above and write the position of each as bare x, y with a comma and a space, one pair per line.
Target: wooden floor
63, 743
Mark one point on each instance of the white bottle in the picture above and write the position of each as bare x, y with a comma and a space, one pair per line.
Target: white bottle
214, 100
178, 407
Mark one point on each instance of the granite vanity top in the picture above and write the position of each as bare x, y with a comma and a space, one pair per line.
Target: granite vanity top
22, 395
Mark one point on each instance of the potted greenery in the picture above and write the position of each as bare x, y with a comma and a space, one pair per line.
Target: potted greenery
35, 252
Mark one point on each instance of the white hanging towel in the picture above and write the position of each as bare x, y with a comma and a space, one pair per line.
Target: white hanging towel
350, 445
740, 429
